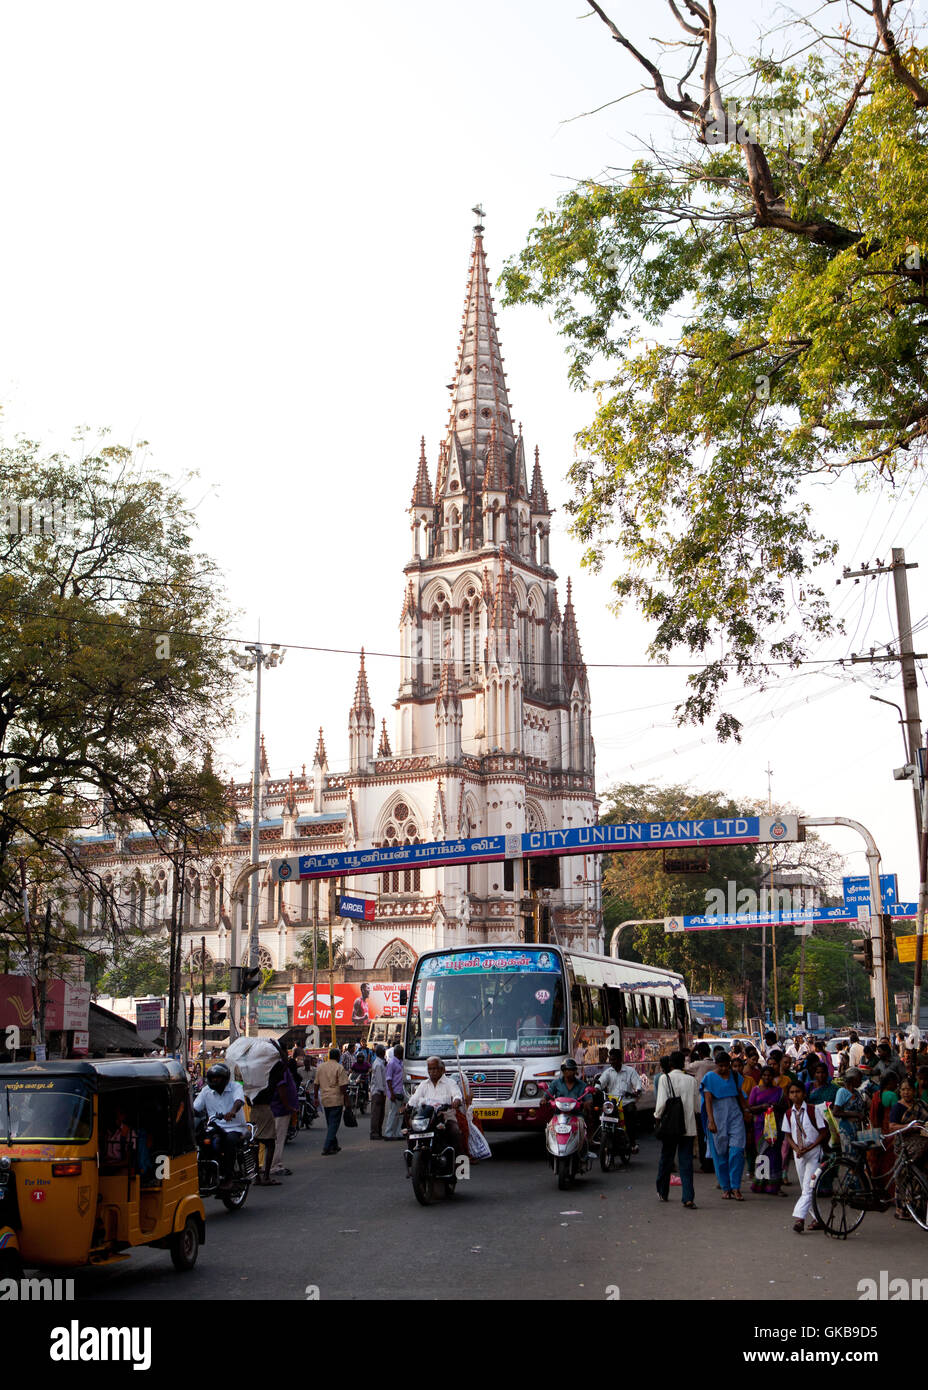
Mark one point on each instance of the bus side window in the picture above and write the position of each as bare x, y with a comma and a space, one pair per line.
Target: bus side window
580, 1005
631, 1010
599, 1012
664, 1005
645, 1011
616, 1003
682, 1012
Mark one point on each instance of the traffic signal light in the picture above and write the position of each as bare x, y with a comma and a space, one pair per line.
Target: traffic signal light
889, 941
217, 1011
244, 978
863, 953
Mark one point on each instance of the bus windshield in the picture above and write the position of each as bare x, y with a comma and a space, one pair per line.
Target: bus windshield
55, 1110
494, 1002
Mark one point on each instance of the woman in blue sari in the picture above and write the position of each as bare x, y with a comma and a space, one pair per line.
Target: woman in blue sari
724, 1110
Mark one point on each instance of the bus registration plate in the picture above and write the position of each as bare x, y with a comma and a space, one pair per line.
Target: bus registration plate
481, 1112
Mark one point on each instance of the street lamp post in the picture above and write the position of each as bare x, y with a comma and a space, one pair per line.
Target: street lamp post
256, 659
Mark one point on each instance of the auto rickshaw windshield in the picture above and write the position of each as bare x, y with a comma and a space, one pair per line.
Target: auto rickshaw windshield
54, 1110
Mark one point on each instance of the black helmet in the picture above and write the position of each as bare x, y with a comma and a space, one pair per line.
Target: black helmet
218, 1076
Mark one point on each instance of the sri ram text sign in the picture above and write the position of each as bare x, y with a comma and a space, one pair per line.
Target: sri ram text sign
587, 839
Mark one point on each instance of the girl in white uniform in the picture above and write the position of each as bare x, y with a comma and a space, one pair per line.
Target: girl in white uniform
805, 1130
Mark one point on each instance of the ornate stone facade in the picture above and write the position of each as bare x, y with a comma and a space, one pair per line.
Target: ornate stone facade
492, 729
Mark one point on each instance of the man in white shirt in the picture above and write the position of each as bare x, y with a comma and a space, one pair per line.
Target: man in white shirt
440, 1089
621, 1080
855, 1051
223, 1100
805, 1128
677, 1083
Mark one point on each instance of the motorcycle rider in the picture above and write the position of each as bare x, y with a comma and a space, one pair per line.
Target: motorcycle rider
439, 1090
223, 1100
621, 1080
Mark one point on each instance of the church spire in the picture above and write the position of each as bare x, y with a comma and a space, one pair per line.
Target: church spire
320, 760
479, 399
539, 497
422, 492
362, 696
574, 666
384, 750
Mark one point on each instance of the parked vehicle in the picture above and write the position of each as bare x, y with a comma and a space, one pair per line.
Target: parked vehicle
95, 1159
244, 1165
566, 1140
430, 1154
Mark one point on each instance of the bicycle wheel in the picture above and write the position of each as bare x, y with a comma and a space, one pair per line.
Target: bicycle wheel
838, 1182
915, 1195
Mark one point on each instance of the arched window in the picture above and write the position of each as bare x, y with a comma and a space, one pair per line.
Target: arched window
400, 831
441, 631
467, 641
454, 529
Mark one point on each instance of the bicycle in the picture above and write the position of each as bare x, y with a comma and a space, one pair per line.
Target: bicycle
845, 1189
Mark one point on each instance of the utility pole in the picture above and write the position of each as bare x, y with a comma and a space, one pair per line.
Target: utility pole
912, 734
315, 891
256, 660
332, 898
773, 929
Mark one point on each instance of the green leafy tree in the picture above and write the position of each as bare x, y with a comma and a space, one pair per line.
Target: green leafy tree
778, 256
304, 951
141, 969
635, 886
114, 674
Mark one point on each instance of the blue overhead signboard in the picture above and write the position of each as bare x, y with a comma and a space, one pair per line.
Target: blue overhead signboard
588, 839
857, 890
727, 922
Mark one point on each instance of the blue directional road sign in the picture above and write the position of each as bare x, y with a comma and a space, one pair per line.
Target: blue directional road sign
857, 890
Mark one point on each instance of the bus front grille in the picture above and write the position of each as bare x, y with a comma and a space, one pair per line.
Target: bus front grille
497, 1086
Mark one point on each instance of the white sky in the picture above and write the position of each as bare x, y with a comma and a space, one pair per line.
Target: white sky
242, 234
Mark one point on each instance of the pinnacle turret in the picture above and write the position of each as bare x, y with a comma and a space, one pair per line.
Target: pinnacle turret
362, 696
422, 492
320, 760
384, 749
574, 666
539, 498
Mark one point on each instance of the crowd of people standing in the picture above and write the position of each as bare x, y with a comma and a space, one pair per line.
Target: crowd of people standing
753, 1111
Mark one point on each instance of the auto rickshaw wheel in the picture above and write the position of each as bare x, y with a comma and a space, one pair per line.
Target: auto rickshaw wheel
185, 1245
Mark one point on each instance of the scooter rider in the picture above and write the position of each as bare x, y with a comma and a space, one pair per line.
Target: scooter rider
570, 1086
623, 1081
223, 1100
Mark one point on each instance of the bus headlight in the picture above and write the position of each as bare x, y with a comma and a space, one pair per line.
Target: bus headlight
530, 1089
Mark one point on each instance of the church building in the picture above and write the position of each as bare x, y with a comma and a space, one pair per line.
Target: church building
491, 727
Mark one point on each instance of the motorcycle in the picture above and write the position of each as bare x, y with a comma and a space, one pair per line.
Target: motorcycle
308, 1109
430, 1154
359, 1092
244, 1165
612, 1139
566, 1139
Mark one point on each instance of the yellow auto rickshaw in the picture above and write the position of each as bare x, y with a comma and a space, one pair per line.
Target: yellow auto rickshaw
95, 1158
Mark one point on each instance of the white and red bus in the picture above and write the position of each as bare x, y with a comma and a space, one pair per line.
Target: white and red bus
516, 1012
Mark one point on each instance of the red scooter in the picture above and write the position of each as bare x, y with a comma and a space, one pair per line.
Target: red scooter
566, 1138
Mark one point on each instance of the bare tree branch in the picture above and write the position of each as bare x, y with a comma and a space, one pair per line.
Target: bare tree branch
887, 38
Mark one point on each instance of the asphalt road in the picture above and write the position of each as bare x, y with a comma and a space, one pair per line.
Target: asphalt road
349, 1227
